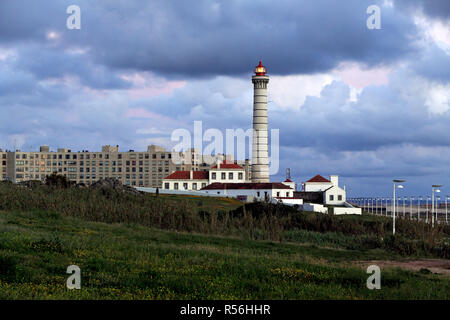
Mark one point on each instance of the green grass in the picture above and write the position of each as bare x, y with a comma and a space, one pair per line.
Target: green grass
133, 261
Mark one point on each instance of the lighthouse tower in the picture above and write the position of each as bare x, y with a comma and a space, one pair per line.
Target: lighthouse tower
260, 146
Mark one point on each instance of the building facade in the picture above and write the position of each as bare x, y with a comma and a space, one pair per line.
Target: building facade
226, 171
134, 168
328, 191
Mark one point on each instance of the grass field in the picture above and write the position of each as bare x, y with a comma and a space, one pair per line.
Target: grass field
120, 261
139, 246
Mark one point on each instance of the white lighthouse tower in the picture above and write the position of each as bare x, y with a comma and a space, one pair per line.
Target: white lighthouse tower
260, 146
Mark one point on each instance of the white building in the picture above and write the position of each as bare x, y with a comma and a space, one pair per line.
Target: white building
186, 180
332, 193
226, 172
242, 191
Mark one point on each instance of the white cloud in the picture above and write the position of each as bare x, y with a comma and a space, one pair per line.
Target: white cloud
438, 99
290, 92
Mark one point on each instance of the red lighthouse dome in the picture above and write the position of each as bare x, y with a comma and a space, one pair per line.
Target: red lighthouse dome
260, 70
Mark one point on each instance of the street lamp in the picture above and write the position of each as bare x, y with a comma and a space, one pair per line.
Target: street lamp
436, 207
404, 207
428, 199
418, 207
371, 205
395, 182
446, 211
434, 188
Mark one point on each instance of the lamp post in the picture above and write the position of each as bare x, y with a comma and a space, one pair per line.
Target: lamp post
426, 219
404, 207
437, 205
418, 207
446, 211
434, 188
395, 182
410, 207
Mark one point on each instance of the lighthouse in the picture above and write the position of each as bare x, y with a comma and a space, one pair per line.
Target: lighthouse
260, 145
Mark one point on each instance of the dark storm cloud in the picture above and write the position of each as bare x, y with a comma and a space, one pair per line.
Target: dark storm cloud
434, 8
201, 38
44, 62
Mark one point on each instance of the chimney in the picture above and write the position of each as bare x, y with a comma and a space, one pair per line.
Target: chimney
218, 164
334, 180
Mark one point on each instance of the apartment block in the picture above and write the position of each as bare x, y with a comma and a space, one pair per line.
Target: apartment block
134, 168
3, 165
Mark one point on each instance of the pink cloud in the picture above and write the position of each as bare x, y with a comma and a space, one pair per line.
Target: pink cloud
355, 76
146, 85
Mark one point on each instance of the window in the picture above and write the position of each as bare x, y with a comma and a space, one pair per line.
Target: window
203, 184
213, 176
331, 197
166, 185
257, 194
230, 175
340, 197
278, 194
194, 186
175, 186
185, 186
240, 176
223, 176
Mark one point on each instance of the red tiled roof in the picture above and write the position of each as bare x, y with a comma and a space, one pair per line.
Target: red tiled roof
287, 180
228, 165
318, 178
185, 175
246, 185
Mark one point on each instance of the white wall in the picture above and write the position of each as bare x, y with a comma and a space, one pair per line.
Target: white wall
346, 210
190, 184
334, 180
335, 192
291, 201
314, 207
227, 172
317, 186
271, 193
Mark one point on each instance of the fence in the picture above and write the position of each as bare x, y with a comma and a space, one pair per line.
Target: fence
415, 208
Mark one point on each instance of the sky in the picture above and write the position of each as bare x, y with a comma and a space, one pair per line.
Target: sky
369, 105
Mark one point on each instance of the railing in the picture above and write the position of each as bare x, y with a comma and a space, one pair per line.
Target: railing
415, 208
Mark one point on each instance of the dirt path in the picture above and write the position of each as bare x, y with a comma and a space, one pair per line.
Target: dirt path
439, 266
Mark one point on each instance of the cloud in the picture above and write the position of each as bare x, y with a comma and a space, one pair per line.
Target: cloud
365, 104
208, 38
439, 9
